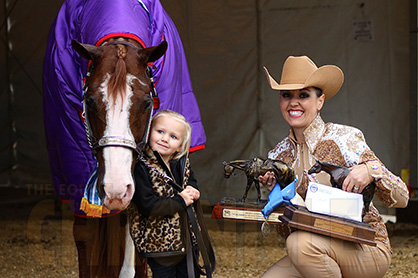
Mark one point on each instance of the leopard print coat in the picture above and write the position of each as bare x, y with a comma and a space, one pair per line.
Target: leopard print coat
158, 228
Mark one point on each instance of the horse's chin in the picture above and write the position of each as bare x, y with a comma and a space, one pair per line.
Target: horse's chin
118, 201
116, 204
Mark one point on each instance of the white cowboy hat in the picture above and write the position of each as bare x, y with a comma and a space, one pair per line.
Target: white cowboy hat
301, 72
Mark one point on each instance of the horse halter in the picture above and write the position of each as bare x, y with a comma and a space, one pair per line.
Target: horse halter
115, 141
119, 141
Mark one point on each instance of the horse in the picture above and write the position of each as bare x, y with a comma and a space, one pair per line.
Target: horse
117, 51
337, 177
118, 109
256, 167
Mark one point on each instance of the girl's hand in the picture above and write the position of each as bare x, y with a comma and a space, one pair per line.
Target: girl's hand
268, 180
358, 179
189, 195
194, 193
186, 197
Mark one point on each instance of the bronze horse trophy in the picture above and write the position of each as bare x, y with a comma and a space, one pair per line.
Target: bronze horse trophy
257, 167
337, 177
241, 209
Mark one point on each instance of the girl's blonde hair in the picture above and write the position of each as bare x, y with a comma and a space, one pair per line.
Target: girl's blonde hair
187, 137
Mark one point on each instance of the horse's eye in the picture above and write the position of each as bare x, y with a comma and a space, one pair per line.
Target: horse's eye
89, 100
148, 103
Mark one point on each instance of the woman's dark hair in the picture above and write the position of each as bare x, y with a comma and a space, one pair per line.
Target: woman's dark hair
318, 91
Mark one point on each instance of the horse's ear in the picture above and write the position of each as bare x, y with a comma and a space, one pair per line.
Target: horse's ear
151, 54
87, 51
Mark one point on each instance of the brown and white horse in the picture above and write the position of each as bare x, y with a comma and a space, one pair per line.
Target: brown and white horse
118, 107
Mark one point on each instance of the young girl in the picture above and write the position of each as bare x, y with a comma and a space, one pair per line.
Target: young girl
159, 224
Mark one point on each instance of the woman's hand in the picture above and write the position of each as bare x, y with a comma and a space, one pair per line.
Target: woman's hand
268, 180
190, 194
358, 179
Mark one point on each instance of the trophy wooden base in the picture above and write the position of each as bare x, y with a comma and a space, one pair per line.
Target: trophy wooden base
234, 209
346, 229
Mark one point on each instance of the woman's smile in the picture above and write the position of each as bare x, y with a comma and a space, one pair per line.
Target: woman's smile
295, 113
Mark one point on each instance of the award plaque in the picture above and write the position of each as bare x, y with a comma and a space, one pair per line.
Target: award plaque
230, 208
337, 227
244, 209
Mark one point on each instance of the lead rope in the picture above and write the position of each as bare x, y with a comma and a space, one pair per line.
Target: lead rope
87, 127
153, 91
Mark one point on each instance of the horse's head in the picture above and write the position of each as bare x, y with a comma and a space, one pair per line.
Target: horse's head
118, 108
316, 168
256, 164
228, 170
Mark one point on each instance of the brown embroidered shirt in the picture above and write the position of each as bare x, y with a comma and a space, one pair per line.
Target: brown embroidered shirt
343, 146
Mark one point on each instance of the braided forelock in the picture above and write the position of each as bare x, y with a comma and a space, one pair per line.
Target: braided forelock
117, 80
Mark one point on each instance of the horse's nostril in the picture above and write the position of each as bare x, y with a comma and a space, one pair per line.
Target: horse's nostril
129, 191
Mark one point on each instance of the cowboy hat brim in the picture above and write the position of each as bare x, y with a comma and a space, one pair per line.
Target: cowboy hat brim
328, 78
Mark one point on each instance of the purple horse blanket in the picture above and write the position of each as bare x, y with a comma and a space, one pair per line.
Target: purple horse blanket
92, 22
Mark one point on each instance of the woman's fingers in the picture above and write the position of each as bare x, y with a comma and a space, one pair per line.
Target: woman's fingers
267, 180
357, 179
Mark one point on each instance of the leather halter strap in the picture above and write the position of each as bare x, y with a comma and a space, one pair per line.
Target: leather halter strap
119, 141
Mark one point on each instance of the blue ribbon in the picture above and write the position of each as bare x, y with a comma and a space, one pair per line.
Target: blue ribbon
278, 196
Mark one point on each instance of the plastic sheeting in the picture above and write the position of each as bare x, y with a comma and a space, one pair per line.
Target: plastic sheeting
226, 44
23, 33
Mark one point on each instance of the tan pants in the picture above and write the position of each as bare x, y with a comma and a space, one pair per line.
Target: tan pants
313, 255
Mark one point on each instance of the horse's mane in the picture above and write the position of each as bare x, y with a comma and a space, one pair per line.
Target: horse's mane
117, 80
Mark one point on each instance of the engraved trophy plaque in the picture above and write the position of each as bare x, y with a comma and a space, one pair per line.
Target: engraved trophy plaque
251, 210
300, 218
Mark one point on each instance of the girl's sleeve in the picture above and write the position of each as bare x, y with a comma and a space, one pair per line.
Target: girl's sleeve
192, 180
147, 202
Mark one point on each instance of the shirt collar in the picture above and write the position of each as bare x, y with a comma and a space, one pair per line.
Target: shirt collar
312, 133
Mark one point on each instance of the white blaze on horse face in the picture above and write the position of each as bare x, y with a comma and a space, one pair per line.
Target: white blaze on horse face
118, 181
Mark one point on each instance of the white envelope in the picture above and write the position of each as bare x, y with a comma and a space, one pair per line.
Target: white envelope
333, 201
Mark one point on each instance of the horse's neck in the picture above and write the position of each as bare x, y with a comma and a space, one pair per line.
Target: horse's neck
283, 167
239, 165
329, 168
